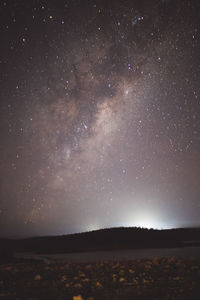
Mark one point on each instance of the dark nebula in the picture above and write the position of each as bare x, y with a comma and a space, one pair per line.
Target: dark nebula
99, 115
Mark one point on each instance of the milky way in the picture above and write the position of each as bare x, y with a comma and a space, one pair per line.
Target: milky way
100, 115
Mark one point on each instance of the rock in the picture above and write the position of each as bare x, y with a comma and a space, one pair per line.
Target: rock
76, 278
131, 271
177, 278
63, 278
145, 281
98, 284
79, 297
78, 285
85, 280
88, 267
114, 277
37, 277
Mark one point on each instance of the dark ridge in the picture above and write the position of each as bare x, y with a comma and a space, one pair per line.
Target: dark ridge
104, 239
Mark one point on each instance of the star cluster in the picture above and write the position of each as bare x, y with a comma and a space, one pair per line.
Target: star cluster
99, 115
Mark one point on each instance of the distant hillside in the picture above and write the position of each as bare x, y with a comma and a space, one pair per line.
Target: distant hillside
105, 239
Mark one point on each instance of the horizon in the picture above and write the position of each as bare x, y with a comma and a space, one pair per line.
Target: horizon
100, 229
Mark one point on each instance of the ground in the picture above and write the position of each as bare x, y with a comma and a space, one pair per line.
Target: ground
166, 278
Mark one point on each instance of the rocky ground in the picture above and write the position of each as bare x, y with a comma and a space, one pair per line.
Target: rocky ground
166, 278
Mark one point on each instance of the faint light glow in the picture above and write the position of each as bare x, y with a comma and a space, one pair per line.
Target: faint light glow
147, 219
92, 227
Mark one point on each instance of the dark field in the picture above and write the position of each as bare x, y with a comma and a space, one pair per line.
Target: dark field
166, 278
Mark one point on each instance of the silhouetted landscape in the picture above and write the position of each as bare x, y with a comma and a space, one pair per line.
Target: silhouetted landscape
105, 239
165, 277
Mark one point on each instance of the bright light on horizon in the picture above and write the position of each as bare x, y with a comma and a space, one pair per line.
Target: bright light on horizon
147, 219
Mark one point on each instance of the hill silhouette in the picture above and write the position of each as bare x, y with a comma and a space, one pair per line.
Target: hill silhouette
104, 239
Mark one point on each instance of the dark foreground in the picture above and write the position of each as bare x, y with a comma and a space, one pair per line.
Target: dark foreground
166, 278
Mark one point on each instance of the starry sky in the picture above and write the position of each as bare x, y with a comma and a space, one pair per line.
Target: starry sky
99, 115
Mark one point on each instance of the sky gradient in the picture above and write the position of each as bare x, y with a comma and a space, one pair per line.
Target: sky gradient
99, 115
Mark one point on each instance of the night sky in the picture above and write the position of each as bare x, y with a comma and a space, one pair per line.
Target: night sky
99, 115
